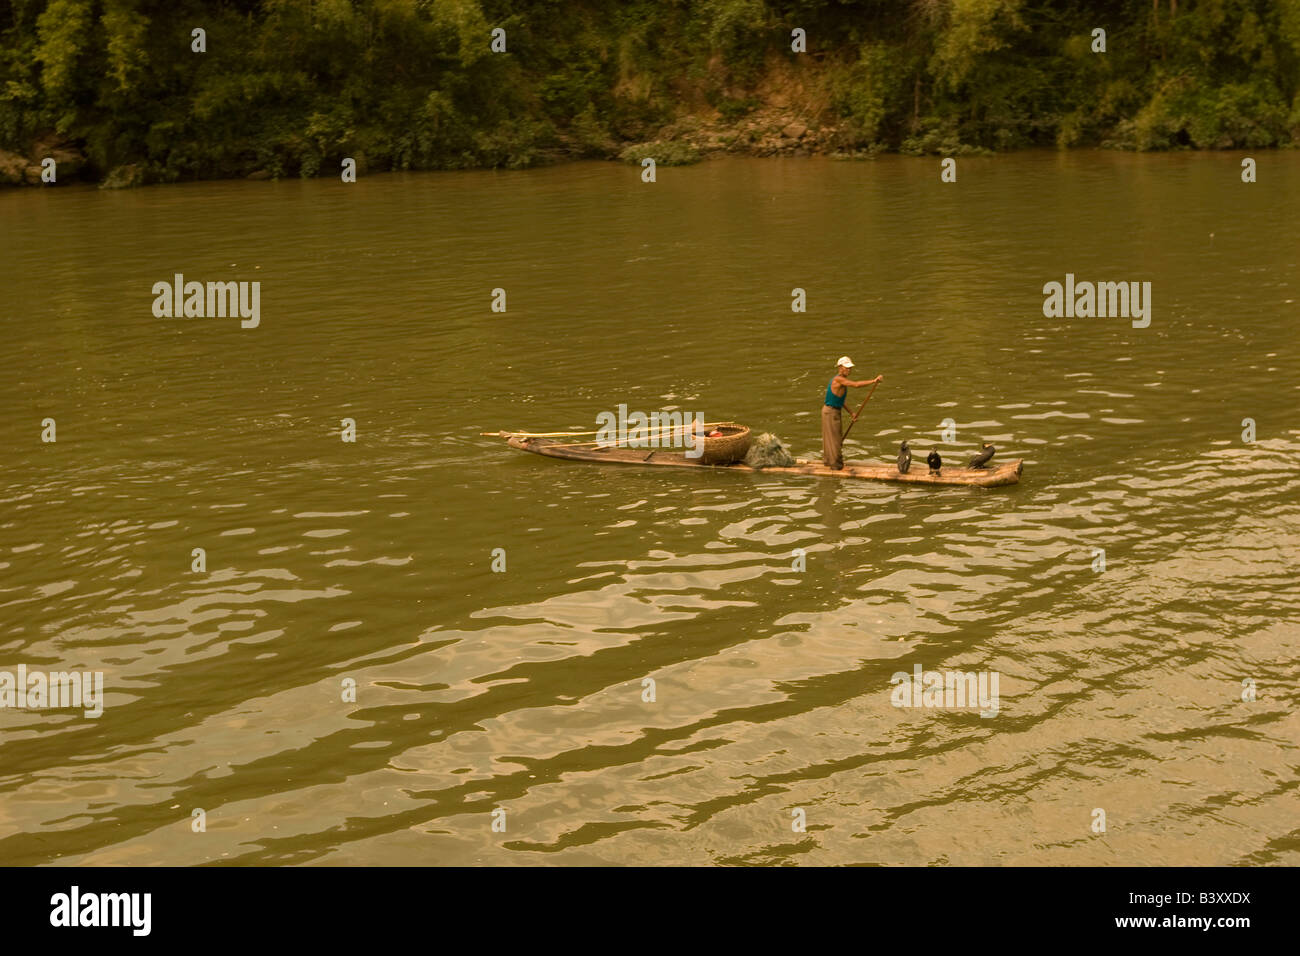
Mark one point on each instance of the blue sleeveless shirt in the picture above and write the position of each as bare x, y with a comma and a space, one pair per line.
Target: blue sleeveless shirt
833, 400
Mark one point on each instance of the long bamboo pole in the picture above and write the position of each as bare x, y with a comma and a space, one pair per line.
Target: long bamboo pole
640, 431
656, 433
859, 412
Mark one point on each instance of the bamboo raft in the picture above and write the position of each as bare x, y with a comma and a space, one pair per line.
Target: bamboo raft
1006, 473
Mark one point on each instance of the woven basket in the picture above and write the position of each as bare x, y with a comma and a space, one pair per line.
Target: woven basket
729, 447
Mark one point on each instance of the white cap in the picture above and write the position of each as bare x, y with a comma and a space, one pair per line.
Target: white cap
845, 361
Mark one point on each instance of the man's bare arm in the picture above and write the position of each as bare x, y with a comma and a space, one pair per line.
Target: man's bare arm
852, 384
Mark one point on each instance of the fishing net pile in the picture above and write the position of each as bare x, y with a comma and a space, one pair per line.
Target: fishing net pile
768, 451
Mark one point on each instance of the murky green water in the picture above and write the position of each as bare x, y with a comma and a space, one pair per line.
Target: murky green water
1119, 690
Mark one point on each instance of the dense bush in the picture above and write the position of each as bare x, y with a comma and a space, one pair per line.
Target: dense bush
289, 87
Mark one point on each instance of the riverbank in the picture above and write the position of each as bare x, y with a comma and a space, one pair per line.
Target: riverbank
768, 132
789, 110
295, 88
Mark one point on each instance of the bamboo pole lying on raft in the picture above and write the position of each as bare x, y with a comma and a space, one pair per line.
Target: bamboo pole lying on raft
639, 431
533, 434
643, 435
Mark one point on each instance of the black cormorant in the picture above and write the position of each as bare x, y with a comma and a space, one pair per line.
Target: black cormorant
982, 459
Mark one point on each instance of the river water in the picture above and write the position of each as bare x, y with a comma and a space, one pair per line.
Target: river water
370, 564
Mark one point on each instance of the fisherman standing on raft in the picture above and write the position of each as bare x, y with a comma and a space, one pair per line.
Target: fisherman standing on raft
836, 391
